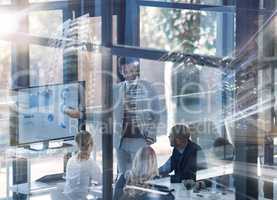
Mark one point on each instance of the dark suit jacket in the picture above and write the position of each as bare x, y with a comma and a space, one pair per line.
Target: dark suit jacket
187, 163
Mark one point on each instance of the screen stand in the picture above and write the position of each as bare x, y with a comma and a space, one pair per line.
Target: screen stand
48, 145
38, 146
58, 144
55, 144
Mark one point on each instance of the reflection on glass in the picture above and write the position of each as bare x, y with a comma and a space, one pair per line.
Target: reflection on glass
179, 30
46, 65
40, 1
89, 66
157, 76
8, 22
5, 86
89, 29
206, 2
3, 180
196, 93
5, 64
5, 103
5, 2
193, 94
90, 72
188, 94
46, 23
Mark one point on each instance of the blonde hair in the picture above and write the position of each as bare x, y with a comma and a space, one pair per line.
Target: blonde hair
85, 143
144, 166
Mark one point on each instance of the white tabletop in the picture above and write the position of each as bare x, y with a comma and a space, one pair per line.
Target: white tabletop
218, 170
181, 193
41, 188
27, 153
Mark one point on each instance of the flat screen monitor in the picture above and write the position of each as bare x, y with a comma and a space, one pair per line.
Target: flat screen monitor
41, 112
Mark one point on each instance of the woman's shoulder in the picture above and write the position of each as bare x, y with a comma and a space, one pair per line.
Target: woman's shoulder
92, 163
72, 160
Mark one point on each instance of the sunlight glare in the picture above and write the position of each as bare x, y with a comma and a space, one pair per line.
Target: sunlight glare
8, 23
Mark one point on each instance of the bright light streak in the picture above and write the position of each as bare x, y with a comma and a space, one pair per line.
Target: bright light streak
8, 23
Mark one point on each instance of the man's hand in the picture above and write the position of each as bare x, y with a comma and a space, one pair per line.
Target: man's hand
74, 113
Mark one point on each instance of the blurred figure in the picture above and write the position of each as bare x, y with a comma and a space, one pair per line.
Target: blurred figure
223, 150
81, 169
204, 133
187, 157
135, 113
136, 117
144, 168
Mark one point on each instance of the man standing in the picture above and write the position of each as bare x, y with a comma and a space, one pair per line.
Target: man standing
136, 110
136, 113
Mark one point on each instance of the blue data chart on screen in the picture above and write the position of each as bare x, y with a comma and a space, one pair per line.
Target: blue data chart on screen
41, 115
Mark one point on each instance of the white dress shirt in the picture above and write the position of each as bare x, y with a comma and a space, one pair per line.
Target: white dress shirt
79, 175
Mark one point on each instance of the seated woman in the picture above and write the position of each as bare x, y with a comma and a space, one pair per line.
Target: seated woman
144, 168
81, 169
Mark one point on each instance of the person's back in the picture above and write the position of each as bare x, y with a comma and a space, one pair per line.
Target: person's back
81, 169
79, 175
144, 168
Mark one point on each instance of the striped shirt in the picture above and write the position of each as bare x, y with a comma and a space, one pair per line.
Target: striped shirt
131, 122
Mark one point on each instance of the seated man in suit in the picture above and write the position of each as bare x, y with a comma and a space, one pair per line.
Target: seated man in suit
187, 157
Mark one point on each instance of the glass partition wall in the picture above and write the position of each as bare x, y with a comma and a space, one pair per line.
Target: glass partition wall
209, 68
44, 43
184, 50
209, 65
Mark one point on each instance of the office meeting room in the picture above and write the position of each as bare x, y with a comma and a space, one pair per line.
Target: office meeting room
138, 99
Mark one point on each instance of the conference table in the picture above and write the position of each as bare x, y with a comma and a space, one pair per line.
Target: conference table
181, 193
